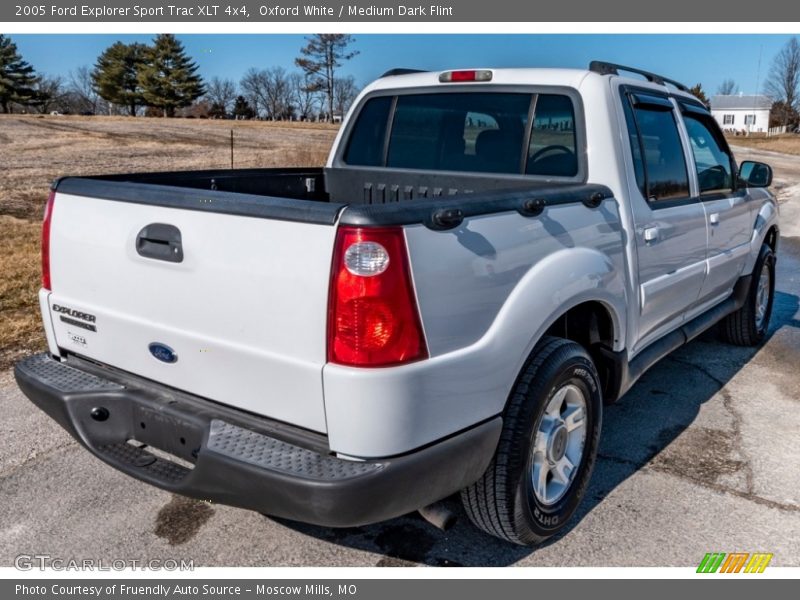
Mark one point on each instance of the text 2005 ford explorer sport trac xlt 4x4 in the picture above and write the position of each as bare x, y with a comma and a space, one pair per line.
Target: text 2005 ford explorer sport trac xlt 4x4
488, 257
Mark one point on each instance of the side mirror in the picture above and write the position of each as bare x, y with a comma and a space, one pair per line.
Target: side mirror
755, 174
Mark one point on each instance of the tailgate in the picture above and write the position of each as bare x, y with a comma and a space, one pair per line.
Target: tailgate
243, 313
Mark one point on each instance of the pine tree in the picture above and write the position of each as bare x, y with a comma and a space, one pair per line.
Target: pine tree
242, 109
217, 111
698, 92
17, 77
115, 75
322, 55
169, 79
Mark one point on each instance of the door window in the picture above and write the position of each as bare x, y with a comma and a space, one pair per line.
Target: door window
658, 157
714, 164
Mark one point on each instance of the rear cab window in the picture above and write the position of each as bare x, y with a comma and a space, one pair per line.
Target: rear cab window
477, 131
553, 146
365, 146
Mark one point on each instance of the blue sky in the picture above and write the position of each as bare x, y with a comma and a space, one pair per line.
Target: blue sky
707, 59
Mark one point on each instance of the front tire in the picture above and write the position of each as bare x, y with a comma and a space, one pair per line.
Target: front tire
547, 449
748, 325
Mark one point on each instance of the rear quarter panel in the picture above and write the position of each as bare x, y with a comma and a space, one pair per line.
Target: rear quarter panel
487, 291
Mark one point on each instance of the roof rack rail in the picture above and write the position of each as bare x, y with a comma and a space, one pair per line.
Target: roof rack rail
401, 71
607, 68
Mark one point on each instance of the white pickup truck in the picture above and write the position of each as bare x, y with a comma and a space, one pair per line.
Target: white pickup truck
488, 257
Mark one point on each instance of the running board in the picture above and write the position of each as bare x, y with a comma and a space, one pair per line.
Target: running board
626, 373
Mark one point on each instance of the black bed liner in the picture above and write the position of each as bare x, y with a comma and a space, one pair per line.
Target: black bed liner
439, 201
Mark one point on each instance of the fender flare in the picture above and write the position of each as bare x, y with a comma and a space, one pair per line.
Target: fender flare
575, 276
766, 219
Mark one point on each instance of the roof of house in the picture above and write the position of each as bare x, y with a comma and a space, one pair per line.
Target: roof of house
740, 102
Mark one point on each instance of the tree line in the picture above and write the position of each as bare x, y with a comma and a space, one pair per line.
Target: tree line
160, 79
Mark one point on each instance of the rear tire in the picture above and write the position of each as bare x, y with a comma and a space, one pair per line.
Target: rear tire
528, 493
748, 325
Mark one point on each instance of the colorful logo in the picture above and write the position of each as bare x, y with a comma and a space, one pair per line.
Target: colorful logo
735, 562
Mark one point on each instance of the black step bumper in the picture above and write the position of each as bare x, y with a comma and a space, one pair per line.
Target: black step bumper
222, 455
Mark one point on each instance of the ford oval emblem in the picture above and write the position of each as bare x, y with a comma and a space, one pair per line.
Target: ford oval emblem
163, 352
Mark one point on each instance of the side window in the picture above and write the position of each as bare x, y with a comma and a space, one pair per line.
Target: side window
365, 147
636, 147
552, 150
714, 168
662, 173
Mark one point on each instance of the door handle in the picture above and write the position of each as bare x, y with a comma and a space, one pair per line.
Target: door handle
650, 234
713, 218
160, 241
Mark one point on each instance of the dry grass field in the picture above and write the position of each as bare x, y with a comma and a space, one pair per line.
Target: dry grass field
788, 143
36, 149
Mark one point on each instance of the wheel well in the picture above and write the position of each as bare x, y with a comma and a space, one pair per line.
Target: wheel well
591, 325
771, 238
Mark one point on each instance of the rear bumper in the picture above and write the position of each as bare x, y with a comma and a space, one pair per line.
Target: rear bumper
235, 458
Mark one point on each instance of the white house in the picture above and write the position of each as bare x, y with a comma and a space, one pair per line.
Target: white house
739, 113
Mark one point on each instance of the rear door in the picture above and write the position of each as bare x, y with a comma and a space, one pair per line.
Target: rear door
239, 319
670, 223
730, 225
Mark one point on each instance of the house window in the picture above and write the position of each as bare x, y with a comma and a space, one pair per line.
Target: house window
727, 119
749, 119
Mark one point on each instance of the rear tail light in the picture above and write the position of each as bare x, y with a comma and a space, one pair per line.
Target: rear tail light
48, 215
373, 319
471, 75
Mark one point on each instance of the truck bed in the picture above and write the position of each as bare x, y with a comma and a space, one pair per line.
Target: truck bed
317, 195
230, 271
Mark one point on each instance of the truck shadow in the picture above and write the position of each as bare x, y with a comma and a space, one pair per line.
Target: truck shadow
638, 433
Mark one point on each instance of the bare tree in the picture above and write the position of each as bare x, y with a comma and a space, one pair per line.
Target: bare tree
252, 85
321, 56
48, 93
277, 93
221, 92
268, 89
728, 87
305, 96
84, 97
784, 78
345, 91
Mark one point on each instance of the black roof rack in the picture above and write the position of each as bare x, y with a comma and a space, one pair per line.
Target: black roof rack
401, 71
607, 68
